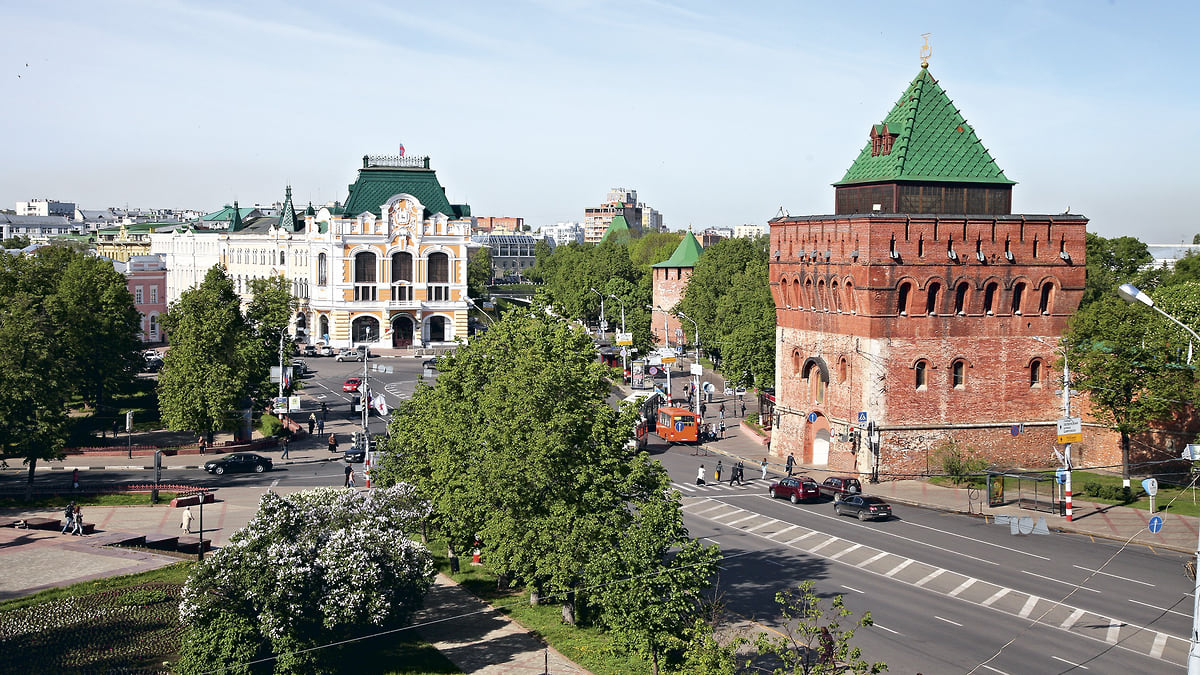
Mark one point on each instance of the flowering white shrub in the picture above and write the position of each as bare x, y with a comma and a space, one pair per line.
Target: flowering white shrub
323, 560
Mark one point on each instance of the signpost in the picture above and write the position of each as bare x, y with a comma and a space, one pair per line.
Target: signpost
1155, 525
625, 339
862, 417
1150, 485
1070, 430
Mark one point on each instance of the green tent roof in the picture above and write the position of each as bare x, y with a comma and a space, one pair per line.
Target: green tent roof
932, 143
686, 254
287, 219
618, 230
376, 184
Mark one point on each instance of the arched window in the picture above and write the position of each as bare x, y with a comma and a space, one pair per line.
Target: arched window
795, 363
1035, 374
843, 367
322, 270
902, 299
851, 303
402, 267
154, 328
364, 276
835, 303
989, 298
1018, 295
960, 298
921, 375
282, 258
932, 297
439, 268
959, 370
808, 295
1046, 303
822, 303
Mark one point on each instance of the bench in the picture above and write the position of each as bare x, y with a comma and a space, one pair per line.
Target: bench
193, 500
165, 542
192, 544
43, 524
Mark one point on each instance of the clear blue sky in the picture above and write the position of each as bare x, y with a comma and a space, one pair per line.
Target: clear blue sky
717, 113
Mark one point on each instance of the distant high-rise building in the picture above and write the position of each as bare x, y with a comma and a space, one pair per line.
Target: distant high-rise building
620, 201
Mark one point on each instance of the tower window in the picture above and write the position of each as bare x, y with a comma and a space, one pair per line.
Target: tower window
960, 298
902, 299
921, 375
989, 298
1017, 297
959, 370
1047, 300
932, 297
1035, 374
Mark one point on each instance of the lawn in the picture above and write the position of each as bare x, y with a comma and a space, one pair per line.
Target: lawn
59, 501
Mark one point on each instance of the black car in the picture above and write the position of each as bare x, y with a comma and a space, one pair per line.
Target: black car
239, 461
866, 508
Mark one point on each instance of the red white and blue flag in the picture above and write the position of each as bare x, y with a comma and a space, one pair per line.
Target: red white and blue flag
401, 149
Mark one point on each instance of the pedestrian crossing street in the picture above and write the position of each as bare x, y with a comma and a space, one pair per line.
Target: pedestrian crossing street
941, 581
750, 484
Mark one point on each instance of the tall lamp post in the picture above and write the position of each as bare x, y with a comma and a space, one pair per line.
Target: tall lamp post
624, 350
1066, 403
697, 328
1131, 294
603, 322
666, 342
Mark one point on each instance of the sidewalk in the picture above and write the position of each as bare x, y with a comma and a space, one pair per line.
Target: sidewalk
1106, 521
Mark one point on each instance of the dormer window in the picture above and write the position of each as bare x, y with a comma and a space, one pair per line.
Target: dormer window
881, 140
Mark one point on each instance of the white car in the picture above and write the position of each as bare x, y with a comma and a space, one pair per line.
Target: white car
349, 355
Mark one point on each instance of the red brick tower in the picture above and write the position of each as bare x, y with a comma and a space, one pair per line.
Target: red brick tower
670, 279
923, 307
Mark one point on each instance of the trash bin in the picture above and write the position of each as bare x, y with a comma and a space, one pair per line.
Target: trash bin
454, 564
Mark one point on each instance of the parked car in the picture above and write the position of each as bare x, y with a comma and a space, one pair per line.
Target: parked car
300, 366
352, 384
836, 487
349, 355
866, 508
429, 364
238, 461
153, 363
324, 350
310, 351
796, 489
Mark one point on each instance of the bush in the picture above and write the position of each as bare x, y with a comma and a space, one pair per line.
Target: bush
270, 426
227, 643
960, 464
1116, 493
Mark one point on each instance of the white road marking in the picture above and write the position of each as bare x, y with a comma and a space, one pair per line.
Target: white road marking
1160, 641
931, 576
908, 539
879, 625
872, 559
852, 589
953, 623
1069, 663
977, 541
1161, 609
844, 551
1132, 581
823, 544
994, 670
1070, 620
275, 482
710, 510
962, 587
763, 524
1028, 608
995, 596
1068, 583
742, 520
896, 570
786, 529
1114, 632
806, 534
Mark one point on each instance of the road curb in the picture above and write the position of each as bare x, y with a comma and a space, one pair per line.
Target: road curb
127, 467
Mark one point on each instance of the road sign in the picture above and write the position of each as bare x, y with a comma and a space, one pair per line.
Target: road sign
653, 370
603, 325
678, 332
812, 417
668, 359
1150, 485
862, 417
696, 369
1061, 476
1191, 452
1017, 429
679, 426
1070, 430
625, 338
1155, 524
129, 420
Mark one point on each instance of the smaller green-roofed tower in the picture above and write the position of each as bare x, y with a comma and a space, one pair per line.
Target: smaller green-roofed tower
670, 281
924, 158
618, 231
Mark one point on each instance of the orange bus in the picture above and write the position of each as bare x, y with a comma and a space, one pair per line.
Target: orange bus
677, 425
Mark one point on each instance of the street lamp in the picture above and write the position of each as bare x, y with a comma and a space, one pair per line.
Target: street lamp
1131, 294
697, 328
666, 342
1066, 403
603, 322
624, 350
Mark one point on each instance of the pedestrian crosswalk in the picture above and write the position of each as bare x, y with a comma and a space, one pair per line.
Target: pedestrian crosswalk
750, 484
932, 578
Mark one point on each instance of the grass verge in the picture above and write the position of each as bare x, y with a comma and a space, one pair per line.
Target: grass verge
58, 501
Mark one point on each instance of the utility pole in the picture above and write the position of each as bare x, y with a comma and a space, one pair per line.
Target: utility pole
603, 322
281, 336
624, 350
1066, 405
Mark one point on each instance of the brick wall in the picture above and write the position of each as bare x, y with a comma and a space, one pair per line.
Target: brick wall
669, 284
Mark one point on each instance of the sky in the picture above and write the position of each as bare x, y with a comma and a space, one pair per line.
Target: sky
716, 113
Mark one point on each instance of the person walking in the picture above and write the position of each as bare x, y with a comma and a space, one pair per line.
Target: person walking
741, 472
78, 524
320, 426
743, 409
717, 472
284, 439
791, 463
202, 444
324, 411
703, 409
764, 468
700, 476
349, 476
75, 479
186, 520
722, 428
69, 517
333, 442
732, 474
312, 422
721, 411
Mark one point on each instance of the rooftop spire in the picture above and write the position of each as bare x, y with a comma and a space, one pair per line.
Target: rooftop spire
926, 50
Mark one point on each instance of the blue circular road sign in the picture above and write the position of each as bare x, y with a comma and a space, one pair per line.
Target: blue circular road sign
1156, 524
679, 426
812, 417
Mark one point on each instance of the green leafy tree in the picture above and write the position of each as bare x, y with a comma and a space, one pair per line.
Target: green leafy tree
1131, 365
652, 599
541, 255
98, 327
19, 241
1110, 263
746, 326
815, 640
479, 272
207, 372
653, 247
309, 569
269, 313
712, 279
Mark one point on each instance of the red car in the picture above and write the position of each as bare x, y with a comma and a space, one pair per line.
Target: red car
352, 384
796, 489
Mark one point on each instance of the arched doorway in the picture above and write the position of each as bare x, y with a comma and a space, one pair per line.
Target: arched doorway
364, 329
301, 326
821, 445
437, 328
323, 328
402, 331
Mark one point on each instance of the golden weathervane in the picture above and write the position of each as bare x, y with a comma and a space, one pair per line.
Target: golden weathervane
926, 50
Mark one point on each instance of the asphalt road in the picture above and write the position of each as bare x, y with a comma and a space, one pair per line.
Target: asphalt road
323, 384
948, 592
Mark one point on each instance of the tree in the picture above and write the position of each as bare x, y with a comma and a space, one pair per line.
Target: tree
1110, 263
98, 327
19, 241
712, 279
479, 272
307, 570
653, 247
813, 640
524, 407
746, 325
1128, 362
207, 372
269, 313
